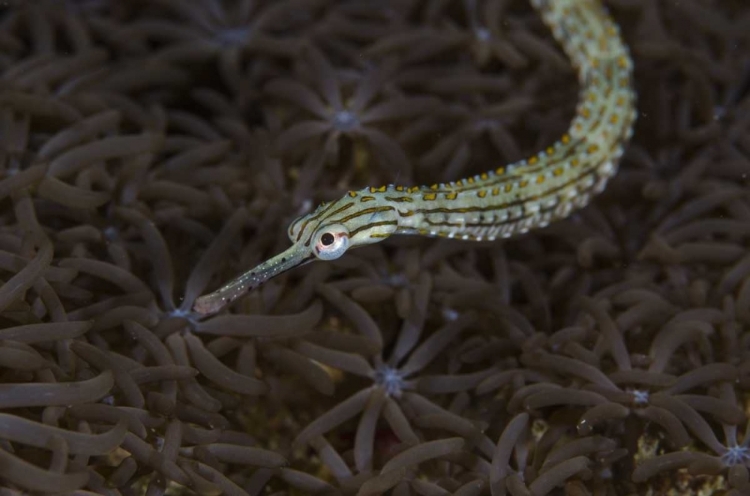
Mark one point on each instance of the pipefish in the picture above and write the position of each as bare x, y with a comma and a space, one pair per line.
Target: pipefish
501, 203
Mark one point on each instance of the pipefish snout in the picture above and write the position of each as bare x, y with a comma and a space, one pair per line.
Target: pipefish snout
501, 203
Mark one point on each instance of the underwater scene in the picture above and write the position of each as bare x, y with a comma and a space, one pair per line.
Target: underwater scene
365, 247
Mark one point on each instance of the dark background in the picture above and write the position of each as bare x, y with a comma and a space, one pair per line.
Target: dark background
150, 151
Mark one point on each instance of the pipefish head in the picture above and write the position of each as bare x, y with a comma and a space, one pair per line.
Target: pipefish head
324, 234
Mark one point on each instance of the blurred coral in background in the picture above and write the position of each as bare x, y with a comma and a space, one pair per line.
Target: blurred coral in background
150, 150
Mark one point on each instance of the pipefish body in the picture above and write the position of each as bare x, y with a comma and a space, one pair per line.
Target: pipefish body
501, 203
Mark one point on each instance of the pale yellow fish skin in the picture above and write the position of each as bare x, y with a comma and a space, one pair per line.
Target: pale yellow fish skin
501, 203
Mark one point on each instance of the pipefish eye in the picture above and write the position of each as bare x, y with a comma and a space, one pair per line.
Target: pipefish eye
331, 242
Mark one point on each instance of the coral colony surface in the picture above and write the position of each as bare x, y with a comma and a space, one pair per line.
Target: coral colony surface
152, 149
